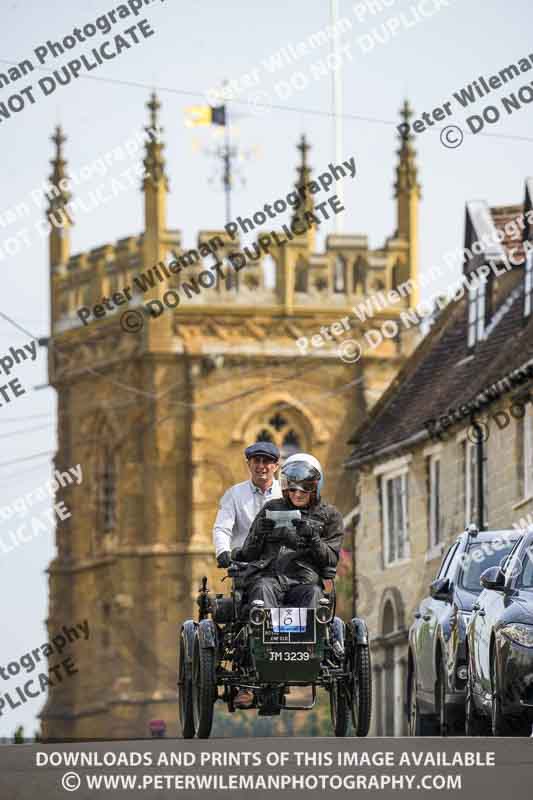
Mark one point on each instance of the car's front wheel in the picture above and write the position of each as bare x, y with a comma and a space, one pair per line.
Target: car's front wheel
499, 723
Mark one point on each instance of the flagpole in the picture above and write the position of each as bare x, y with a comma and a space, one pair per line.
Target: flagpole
227, 160
227, 168
337, 105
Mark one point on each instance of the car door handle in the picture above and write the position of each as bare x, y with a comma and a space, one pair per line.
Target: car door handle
426, 617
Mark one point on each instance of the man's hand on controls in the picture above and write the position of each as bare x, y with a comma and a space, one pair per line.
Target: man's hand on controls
224, 559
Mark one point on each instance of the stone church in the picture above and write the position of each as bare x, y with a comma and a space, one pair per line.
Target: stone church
159, 418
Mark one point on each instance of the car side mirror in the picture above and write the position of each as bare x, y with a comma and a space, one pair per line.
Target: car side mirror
493, 578
442, 589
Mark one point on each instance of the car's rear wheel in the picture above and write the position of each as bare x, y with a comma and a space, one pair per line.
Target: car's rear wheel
204, 688
185, 692
499, 723
475, 723
340, 708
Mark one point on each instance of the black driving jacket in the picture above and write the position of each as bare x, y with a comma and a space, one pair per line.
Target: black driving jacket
267, 557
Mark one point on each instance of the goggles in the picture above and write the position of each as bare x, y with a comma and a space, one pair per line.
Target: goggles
297, 487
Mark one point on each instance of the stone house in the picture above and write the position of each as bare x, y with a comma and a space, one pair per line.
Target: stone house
423, 471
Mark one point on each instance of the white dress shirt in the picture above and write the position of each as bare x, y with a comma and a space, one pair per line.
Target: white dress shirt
237, 509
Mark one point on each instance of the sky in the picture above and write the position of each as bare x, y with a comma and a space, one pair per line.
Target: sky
194, 47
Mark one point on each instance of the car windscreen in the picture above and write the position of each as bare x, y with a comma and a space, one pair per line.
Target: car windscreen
479, 557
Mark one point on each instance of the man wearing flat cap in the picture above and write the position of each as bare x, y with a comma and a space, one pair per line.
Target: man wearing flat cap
241, 504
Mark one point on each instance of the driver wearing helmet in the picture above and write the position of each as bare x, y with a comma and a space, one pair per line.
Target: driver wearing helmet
286, 569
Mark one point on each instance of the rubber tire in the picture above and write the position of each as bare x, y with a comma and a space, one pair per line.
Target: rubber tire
500, 726
185, 693
204, 688
339, 708
440, 693
475, 724
364, 695
422, 725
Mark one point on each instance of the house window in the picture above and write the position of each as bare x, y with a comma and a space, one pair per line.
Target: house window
433, 474
528, 283
339, 280
470, 483
525, 453
395, 532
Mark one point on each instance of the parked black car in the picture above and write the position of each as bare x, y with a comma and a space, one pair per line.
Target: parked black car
437, 662
500, 648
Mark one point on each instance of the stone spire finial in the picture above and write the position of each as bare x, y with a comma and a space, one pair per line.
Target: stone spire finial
154, 161
304, 177
59, 196
406, 171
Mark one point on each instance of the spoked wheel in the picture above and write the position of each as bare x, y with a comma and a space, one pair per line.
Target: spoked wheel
340, 708
361, 690
499, 724
204, 688
185, 692
475, 724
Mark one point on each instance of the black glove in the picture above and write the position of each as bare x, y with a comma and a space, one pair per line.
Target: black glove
309, 534
291, 539
224, 559
236, 554
265, 526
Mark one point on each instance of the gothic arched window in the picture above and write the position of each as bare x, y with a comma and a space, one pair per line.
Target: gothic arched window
284, 429
107, 492
290, 444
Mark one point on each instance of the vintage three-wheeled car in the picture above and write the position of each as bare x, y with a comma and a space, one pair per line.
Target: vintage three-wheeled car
236, 645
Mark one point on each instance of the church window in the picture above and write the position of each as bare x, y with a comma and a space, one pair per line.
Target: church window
108, 495
291, 444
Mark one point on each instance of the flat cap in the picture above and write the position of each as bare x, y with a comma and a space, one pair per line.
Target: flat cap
262, 449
